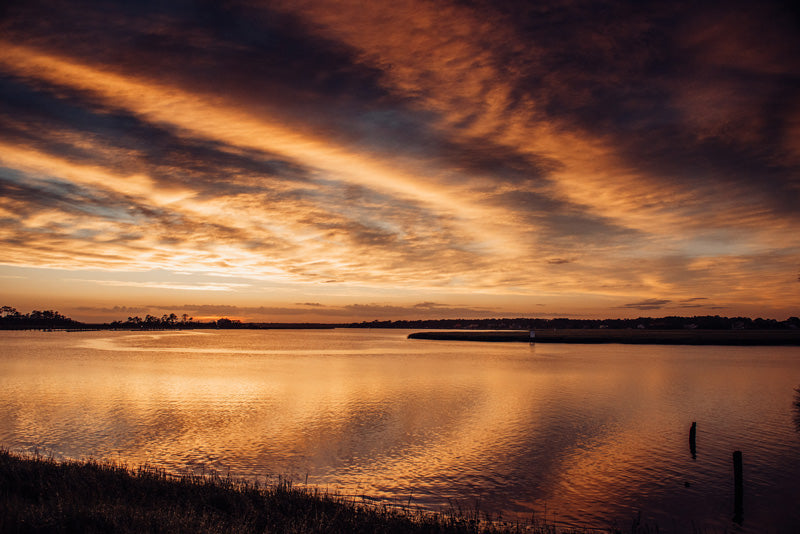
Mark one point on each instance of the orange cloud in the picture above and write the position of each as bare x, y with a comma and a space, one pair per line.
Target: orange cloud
485, 153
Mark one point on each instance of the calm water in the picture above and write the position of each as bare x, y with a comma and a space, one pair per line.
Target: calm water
594, 433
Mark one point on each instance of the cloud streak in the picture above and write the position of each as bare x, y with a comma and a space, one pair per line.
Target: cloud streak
168, 285
649, 304
348, 152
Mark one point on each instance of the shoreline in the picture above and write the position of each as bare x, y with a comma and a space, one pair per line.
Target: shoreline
39, 494
753, 338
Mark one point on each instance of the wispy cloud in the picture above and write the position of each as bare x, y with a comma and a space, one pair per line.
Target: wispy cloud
386, 150
169, 285
117, 311
345, 313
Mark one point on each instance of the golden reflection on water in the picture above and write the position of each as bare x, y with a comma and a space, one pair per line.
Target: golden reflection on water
589, 430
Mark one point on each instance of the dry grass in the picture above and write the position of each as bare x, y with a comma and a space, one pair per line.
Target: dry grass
41, 495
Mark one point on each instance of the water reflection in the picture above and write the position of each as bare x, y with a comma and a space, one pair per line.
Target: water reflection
797, 408
598, 433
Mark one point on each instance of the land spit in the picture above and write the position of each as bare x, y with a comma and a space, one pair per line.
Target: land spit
631, 336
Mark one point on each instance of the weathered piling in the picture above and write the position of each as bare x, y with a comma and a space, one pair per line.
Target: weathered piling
738, 505
693, 440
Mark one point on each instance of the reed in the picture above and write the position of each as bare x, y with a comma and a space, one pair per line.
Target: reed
39, 494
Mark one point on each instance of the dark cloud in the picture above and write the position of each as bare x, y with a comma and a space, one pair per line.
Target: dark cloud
694, 302
254, 49
26, 196
689, 96
485, 157
648, 304
69, 198
558, 222
39, 118
263, 59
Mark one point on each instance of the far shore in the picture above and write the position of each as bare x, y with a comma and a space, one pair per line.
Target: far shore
629, 336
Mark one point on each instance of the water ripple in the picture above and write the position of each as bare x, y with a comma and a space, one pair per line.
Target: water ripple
598, 434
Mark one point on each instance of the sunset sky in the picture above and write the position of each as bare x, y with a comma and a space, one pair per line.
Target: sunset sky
348, 160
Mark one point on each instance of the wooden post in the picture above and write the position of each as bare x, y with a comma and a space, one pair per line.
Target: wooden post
738, 508
693, 440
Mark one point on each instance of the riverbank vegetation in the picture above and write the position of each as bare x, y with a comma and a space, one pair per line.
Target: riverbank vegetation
634, 336
698, 322
39, 495
11, 319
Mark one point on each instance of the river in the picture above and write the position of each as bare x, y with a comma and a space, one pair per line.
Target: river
588, 434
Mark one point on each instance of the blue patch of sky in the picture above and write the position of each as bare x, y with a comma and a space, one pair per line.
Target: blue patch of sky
59, 193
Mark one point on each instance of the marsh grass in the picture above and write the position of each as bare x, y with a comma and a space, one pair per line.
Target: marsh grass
627, 336
39, 494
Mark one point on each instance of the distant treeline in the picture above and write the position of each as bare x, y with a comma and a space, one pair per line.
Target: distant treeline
705, 322
11, 319
152, 322
36, 320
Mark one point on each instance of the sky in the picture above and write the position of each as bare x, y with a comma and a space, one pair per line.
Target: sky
345, 160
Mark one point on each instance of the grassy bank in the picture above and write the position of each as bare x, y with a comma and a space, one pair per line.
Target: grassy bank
42, 495
632, 336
